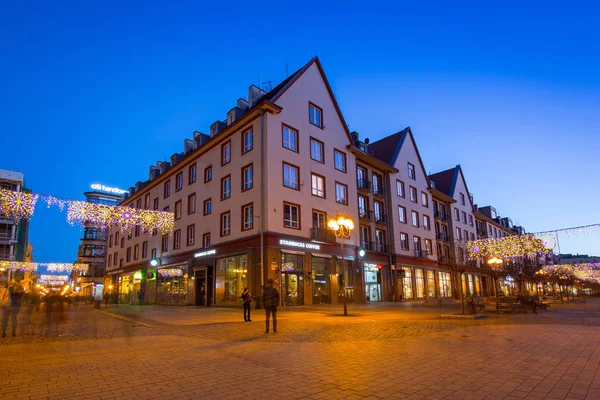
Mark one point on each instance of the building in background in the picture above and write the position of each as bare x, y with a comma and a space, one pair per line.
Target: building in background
92, 250
14, 235
574, 259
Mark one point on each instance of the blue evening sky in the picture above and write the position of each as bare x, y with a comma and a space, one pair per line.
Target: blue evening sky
97, 91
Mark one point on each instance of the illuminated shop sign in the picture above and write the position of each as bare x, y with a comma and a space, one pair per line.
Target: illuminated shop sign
302, 245
107, 189
205, 253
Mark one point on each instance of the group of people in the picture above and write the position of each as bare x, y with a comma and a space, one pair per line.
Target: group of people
270, 302
13, 298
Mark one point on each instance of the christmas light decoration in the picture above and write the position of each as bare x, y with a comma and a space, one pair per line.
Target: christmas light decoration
510, 247
578, 230
581, 272
66, 267
170, 272
17, 205
33, 266
53, 201
124, 217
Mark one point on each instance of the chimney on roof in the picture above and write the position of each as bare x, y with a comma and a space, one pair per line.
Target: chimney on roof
175, 158
234, 114
254, 95
154, 172
200, 138
243, 104
217, 127
188, 146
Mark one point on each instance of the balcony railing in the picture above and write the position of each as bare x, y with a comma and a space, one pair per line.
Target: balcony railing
379, 190
367, 246
380, 247
365, 214
380, 219
364, 184
422, 253
436, 213
441, 236
322, 235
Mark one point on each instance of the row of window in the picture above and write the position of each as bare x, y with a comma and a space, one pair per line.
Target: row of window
291, 179
414, 218
317, 148
457, 217
412, 193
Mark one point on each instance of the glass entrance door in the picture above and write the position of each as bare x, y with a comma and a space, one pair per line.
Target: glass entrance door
372, 282
292, 289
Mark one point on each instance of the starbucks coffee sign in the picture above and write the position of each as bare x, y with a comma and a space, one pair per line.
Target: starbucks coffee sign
302, 245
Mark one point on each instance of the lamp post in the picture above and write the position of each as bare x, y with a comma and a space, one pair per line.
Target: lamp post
495, 264
342, 229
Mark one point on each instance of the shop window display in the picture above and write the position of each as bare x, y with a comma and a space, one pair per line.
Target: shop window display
445, 284
232, 278
171, 285
419, 283
431, 292
407, 289
321, 280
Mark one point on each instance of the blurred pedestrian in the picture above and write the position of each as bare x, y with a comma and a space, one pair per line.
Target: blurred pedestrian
246, 302
271, 302
12, 308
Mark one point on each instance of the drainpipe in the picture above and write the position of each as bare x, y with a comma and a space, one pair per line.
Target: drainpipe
262, 206
389, 230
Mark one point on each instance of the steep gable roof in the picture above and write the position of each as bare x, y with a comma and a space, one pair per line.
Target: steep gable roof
388, 148
280, 89
445, 181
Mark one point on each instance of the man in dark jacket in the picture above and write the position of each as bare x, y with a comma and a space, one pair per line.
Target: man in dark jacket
271, 302
11, 310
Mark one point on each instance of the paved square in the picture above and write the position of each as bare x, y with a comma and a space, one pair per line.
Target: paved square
389, 351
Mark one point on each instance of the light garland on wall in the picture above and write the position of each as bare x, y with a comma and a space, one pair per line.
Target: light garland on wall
33, 266
510, 247
171, 272
578, 230
17, 205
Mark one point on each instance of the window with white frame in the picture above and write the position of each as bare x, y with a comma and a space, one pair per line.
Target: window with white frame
402, 214
225, 223
226, 188
177, 239
290, 138
464, 217
470, 220
291, 216
400, 188
411, 171
317, 150
415, 219
191, 235
248, 214
462, 199
426, 222
363, 207
206, 240
318, 185
424, 199
315, 115
456, 214
413, 194
290, 176
248, 141
339, 160
226, 153
341, 193
248, 176
404, 241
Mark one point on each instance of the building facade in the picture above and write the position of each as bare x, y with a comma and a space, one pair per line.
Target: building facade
252, 199
251, 202
93, 247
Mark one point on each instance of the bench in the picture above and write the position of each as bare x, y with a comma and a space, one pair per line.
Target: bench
508, 304
477, 304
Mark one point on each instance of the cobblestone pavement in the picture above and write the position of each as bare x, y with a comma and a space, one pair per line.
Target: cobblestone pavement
377, 352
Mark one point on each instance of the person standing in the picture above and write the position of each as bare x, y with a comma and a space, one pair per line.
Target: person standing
11, 310
271, 302
246, 302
